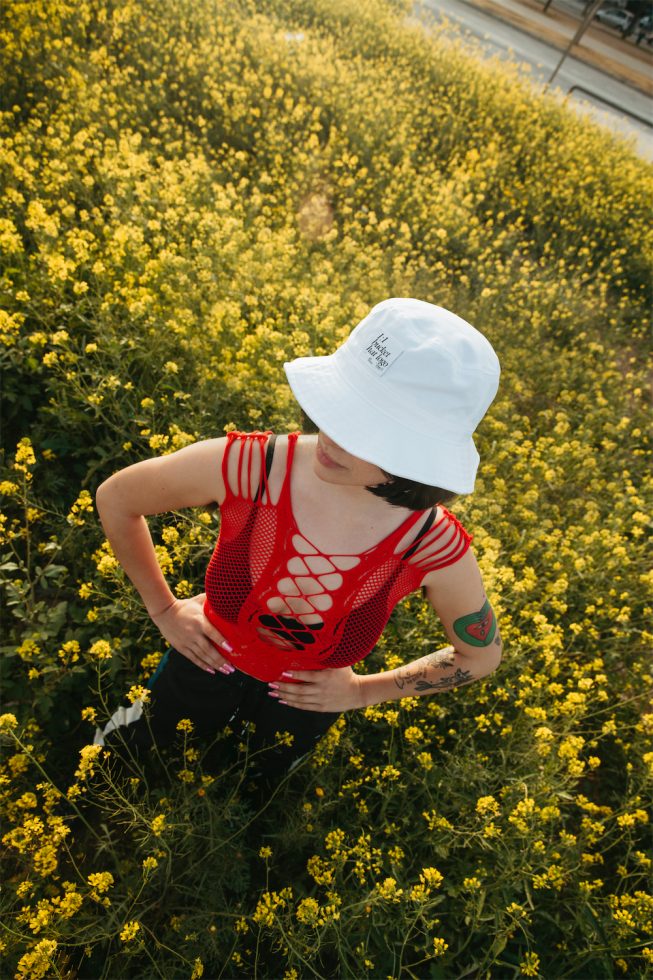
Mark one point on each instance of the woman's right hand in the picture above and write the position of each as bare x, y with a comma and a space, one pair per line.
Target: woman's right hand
185, 627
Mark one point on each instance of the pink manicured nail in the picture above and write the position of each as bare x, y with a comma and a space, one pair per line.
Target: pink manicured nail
287, 673
227, 646
272, 694
209, 670
283, 702
275, 687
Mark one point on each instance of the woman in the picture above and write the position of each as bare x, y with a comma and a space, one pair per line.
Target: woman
321, 535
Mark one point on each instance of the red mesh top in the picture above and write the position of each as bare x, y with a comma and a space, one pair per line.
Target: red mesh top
281, 602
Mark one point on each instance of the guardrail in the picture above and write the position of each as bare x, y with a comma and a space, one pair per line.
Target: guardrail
613, 105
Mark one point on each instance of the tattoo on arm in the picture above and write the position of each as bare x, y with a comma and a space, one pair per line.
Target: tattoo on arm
417, 680
477, 629
454, 680
417, 675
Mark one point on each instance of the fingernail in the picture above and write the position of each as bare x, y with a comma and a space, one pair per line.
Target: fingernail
272, 694
274, 687
287, 673
227, 646
283, 702
209, 670
224, 670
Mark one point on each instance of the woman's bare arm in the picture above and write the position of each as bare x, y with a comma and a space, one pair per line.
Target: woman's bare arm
458, 596
190, 477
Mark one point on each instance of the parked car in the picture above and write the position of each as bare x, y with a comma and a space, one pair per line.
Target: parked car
614, 17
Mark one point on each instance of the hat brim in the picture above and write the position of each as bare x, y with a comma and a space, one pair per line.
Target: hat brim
372, 434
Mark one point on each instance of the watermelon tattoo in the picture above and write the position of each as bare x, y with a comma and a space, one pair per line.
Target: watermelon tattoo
477, 629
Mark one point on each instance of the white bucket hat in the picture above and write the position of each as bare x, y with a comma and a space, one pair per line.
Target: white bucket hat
405, 391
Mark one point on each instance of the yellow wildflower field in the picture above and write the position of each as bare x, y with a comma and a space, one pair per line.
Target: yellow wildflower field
192, 192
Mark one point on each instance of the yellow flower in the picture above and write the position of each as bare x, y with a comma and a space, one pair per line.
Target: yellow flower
149, 864
24, 456
8, 721
436, 822
101, 650
82, 506
472, 883
198, 969
630, 819
69, 652
419, 893
530, 965
487, 805
439, 947
28, 650
307, 911
88, 758
38, 963
491, 830
158, 824
413, 734
150, 662
320, 870
129, 931
69, 904
268, 904
138, 693
185, 725
164, 558
88, 714
101, 881
27, 801
184, 589
388, 890
45, 860
284, 738
265, 852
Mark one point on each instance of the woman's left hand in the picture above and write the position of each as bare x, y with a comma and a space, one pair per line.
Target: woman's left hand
334, 689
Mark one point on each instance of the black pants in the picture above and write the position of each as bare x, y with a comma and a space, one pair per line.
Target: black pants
212, 702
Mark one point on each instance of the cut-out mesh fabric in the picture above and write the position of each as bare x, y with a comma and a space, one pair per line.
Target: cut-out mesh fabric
281, 602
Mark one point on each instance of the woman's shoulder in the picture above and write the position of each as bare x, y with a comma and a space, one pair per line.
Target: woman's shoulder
443, 545
253, 457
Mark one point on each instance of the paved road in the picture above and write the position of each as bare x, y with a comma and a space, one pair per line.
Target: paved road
497, 37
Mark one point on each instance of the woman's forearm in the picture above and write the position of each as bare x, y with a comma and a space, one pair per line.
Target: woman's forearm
439, 671
131, 542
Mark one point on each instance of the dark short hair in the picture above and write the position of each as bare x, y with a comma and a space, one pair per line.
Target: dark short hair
399, 491
409, 493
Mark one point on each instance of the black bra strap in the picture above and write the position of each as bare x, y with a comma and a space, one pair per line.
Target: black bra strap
268, 465
420, 534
